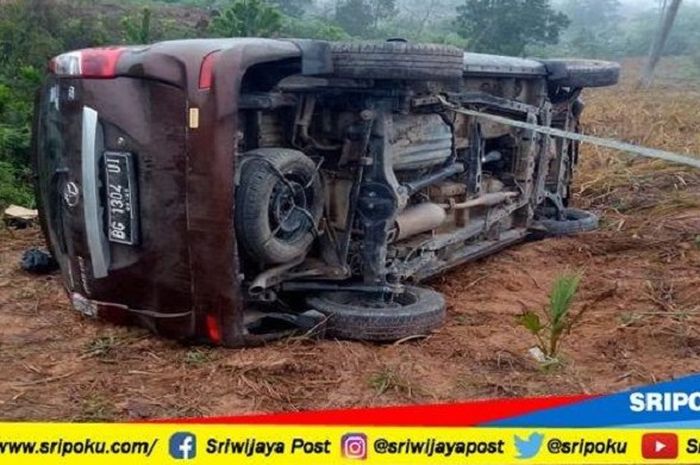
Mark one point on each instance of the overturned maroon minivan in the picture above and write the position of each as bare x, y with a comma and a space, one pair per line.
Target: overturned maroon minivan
236, 190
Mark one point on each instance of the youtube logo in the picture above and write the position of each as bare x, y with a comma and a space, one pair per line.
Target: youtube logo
660, 446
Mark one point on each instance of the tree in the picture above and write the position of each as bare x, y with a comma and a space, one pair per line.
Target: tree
508, 26
657, 48
361, 17
354, 16
31, 31
137, 29
381, 9
248, 18
312, 28
294, 8
595, 27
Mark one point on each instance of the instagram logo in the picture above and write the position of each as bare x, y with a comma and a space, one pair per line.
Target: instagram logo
354, 446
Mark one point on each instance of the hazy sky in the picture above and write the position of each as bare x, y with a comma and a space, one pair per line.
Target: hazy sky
650, 2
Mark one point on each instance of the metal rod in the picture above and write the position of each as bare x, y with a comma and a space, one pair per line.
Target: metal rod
368, 117
415, 186
493, 198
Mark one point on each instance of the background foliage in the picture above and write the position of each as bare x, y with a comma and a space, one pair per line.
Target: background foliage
31, 31
508, 26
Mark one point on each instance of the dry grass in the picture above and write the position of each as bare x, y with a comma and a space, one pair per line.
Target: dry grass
665, 116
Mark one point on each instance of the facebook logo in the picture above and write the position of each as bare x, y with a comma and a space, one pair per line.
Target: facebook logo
183, 446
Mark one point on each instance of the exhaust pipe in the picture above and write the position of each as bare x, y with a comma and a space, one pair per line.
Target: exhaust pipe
418, 219
486, 200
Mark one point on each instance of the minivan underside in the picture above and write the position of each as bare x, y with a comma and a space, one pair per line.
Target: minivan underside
352, 189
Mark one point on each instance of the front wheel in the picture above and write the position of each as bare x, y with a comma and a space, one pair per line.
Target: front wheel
373, 317
573, 221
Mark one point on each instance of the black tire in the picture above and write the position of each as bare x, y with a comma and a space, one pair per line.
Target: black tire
351, 317
576, 221
582, 73
263, 200
396, 60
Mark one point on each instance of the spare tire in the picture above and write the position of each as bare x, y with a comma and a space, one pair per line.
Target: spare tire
366, 316
582, 73
396, 60
279, 202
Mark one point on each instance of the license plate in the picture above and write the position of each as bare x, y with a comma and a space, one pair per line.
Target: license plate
121, 198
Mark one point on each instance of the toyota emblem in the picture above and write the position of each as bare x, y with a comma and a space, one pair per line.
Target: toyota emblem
71, 194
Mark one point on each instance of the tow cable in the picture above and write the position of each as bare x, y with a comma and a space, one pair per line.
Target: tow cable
600, 141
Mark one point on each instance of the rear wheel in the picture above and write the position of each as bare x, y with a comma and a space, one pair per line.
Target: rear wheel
396, 60
367, 316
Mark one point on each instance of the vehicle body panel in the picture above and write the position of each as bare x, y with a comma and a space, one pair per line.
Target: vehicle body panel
187, 260
154, 276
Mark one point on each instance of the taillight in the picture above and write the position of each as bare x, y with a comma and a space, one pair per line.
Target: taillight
213, 329
206, 72
89, 63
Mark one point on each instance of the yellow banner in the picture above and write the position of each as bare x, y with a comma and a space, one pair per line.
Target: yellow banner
133, 444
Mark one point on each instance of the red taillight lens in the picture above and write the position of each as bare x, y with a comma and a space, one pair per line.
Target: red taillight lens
206, 72
100, 62
213, 329
89, 63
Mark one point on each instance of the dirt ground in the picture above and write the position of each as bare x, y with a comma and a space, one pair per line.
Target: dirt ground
642, 268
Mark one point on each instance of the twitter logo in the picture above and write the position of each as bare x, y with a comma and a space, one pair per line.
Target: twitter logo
528, 448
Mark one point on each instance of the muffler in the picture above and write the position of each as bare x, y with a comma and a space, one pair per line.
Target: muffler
418, 219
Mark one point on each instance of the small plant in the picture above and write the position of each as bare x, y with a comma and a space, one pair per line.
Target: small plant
389, 380
101, 347
558, 320
95, 407
196, 357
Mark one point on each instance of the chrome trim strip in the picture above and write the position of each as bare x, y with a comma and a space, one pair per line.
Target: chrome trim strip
97, 242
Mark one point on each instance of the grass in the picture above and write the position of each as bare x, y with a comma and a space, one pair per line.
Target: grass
96, 407
689, 67
639, 197
668, 120
13, 188
197, 357
101, 347
390, 380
